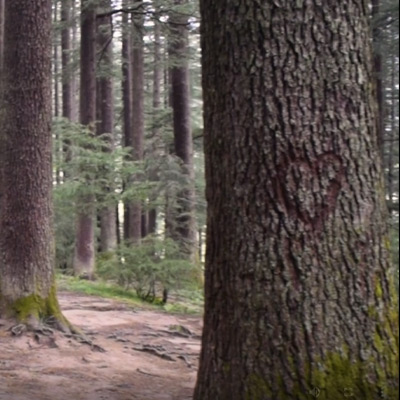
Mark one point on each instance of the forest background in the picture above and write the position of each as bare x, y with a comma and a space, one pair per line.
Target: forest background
129, 163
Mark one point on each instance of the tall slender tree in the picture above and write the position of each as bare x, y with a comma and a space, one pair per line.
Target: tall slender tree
299, 291
108, 218
137, 138
184, 229
126, 97
84, 259
157, 104
67, 88
27, 284
56, 66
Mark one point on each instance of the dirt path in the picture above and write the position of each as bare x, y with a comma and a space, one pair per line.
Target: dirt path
148, 356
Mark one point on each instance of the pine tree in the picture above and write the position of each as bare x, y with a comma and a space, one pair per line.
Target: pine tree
84, 259
27, 284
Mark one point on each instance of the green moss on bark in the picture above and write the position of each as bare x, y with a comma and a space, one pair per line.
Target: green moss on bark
336, 377
33, 310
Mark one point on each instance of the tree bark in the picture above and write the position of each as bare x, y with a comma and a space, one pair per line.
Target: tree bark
1, 33
137, 132
27, 285
184, 230
299, 294
1, 90
108, 228
84, 259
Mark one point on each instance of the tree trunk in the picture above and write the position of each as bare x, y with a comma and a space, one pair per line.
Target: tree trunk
84, 259
126, 98
1, 33
157, 104
67, 89
137, 132
57, 154
185, 229
56, 94
74, 74
299, 293
1, 90
27, 285
108, 228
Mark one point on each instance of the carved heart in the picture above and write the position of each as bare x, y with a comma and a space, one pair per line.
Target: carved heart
310, 189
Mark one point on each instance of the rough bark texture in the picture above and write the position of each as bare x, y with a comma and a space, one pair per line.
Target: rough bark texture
185, 225
108, 228
27, 285
84, 259
1, 33
137, 138
1, 90
298, 283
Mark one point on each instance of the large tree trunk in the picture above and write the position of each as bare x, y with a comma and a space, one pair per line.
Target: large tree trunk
1, 80
84, 259
27, 284
108, 228
137, 132
299, 293
185, 224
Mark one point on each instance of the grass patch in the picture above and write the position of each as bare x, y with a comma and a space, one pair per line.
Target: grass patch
184, 303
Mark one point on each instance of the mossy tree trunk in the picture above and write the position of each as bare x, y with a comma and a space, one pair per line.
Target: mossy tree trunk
299, 294
27, 284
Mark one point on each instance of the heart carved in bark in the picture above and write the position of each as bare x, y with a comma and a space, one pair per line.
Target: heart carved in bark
310, 189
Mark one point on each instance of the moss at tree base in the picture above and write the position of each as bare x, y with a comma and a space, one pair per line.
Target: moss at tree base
334, 378
34, 311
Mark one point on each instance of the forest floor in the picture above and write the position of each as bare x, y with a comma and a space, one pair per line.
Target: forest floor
131, 354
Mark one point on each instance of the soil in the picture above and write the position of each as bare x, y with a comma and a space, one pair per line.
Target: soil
130, 354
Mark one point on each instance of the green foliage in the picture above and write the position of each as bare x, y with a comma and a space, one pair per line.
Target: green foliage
151, 268
190, 302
